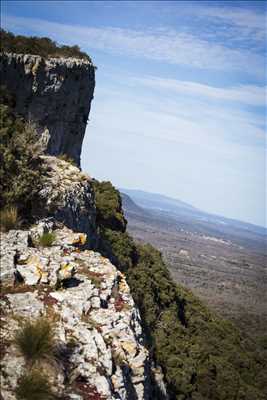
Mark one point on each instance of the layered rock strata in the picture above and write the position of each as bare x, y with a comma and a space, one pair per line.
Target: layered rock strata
55, 93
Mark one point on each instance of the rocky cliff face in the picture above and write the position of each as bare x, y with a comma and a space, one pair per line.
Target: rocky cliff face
98, 337
67, 195
99, 350
56, 93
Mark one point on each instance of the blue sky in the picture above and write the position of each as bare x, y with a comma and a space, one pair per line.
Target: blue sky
179, 105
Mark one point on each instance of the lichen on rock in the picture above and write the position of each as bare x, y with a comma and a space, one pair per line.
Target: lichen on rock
67, 195
98, 344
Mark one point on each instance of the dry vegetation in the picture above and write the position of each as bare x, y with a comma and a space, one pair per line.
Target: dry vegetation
34, 385
35, 340
9, 218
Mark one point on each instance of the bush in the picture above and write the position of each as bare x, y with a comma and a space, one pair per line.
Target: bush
108, 206
21, 166
202, 356
41, 46
118, 247
9, 218
34, 386
35, 340
114, 241
47, 239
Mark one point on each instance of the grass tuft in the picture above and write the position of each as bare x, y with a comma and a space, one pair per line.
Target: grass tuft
35, 340
34, 386
47, 239
9, 218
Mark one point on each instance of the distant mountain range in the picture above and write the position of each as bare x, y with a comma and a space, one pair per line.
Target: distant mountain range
180, 215
158, 201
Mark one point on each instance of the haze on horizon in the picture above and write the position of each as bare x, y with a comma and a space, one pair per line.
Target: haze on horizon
179, 105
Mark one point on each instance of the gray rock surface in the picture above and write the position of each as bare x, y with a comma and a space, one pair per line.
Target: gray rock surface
97, 325
68, 196
90, 305
55, 93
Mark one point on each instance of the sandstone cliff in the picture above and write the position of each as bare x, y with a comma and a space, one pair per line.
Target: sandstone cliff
56, 93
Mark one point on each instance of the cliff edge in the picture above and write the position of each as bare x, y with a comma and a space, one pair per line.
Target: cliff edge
55, 93
98, 347
72, 328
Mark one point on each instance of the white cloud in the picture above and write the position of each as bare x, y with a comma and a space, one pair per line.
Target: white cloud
235, 16
240, 25
165, 45
189, 136
189, 116
245, 94
178, 148
215, 128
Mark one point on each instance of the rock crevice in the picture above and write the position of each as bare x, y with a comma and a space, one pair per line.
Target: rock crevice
89, 302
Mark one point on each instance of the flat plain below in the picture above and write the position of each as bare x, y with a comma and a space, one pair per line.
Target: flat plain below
227, 271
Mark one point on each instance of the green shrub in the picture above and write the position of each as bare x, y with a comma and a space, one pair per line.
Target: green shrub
108, 206
34, 386
21, 168
41, 46
35, 340
118, 247
47, 239
202, 356
9, 218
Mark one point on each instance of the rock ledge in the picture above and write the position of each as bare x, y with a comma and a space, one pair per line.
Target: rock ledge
89, 303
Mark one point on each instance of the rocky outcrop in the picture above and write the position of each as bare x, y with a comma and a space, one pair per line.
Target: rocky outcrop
68, 196
55, 93
97, 326
50, 270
